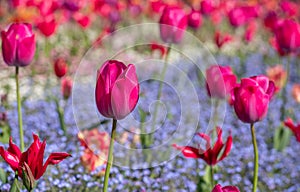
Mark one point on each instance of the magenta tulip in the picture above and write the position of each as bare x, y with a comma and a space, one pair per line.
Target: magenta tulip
252, 97
194, 19
219, 188
173, 23
242, 15
220, 80
287, 36
18, 44
207, 7
117, 89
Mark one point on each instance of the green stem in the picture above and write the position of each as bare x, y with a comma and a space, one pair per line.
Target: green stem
215, 119
255, 174
283, 93
60, 113
110, 155
163, 74
20, 121
212, 177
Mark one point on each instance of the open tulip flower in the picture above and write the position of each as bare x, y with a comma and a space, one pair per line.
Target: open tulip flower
293, 127
33, 157
18, 44
252, 97
219, 188
211, 155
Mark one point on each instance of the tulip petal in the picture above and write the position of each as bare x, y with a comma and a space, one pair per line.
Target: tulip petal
217, 188
26, 50
10, 158
14, 149
187, 151
227, 148
8, 49
230, 189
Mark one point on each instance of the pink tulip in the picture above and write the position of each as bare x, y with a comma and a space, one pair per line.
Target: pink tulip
271, 20
242, 15
117, 89
207, 7
252, 97
219, 188
47, 26
194, 19
287, 36
289, 7
173, 23
220, 81
18, 44
83, 20
60, 67
66, 87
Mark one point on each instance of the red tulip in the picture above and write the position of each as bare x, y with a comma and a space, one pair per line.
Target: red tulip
252, 97
33, 157
66, 87
18, 44
83, 20
241, 15
210, 155
194, 19
47, 26
293, 127
60, 67
173, 23
220, 81
117, 89
221, 39
162, 49
219, 188
287, 36
271, 20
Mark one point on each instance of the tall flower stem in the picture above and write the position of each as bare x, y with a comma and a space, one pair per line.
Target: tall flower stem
212, 177
163, 74
255, 174
283, 92
20, 121
60, 112
215, 118
110, 155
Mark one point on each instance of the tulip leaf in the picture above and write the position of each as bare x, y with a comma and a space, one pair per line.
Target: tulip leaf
15, 186
4, 133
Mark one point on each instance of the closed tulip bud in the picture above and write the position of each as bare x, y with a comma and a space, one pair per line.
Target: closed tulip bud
287, 36
117, 89
28, 178
60, 67
66, 87
252, 97
173, 23
194, 19
220, 80
18, 44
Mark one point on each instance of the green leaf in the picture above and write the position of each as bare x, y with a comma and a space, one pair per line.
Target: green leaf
15, 186
4, 133
3, 176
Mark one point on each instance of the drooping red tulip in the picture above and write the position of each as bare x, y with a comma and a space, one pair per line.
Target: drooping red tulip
220, 80
158, 47
211, 155
293, 127
287, 36
60, 67
252, 97
221, 39
18, 44
66, 87
219, 188
173, 23
33, 157
117, 89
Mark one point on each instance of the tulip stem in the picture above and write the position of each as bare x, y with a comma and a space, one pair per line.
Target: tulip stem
212, 176
255, 176
110, 155
163, 74
60, 113
20, 121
